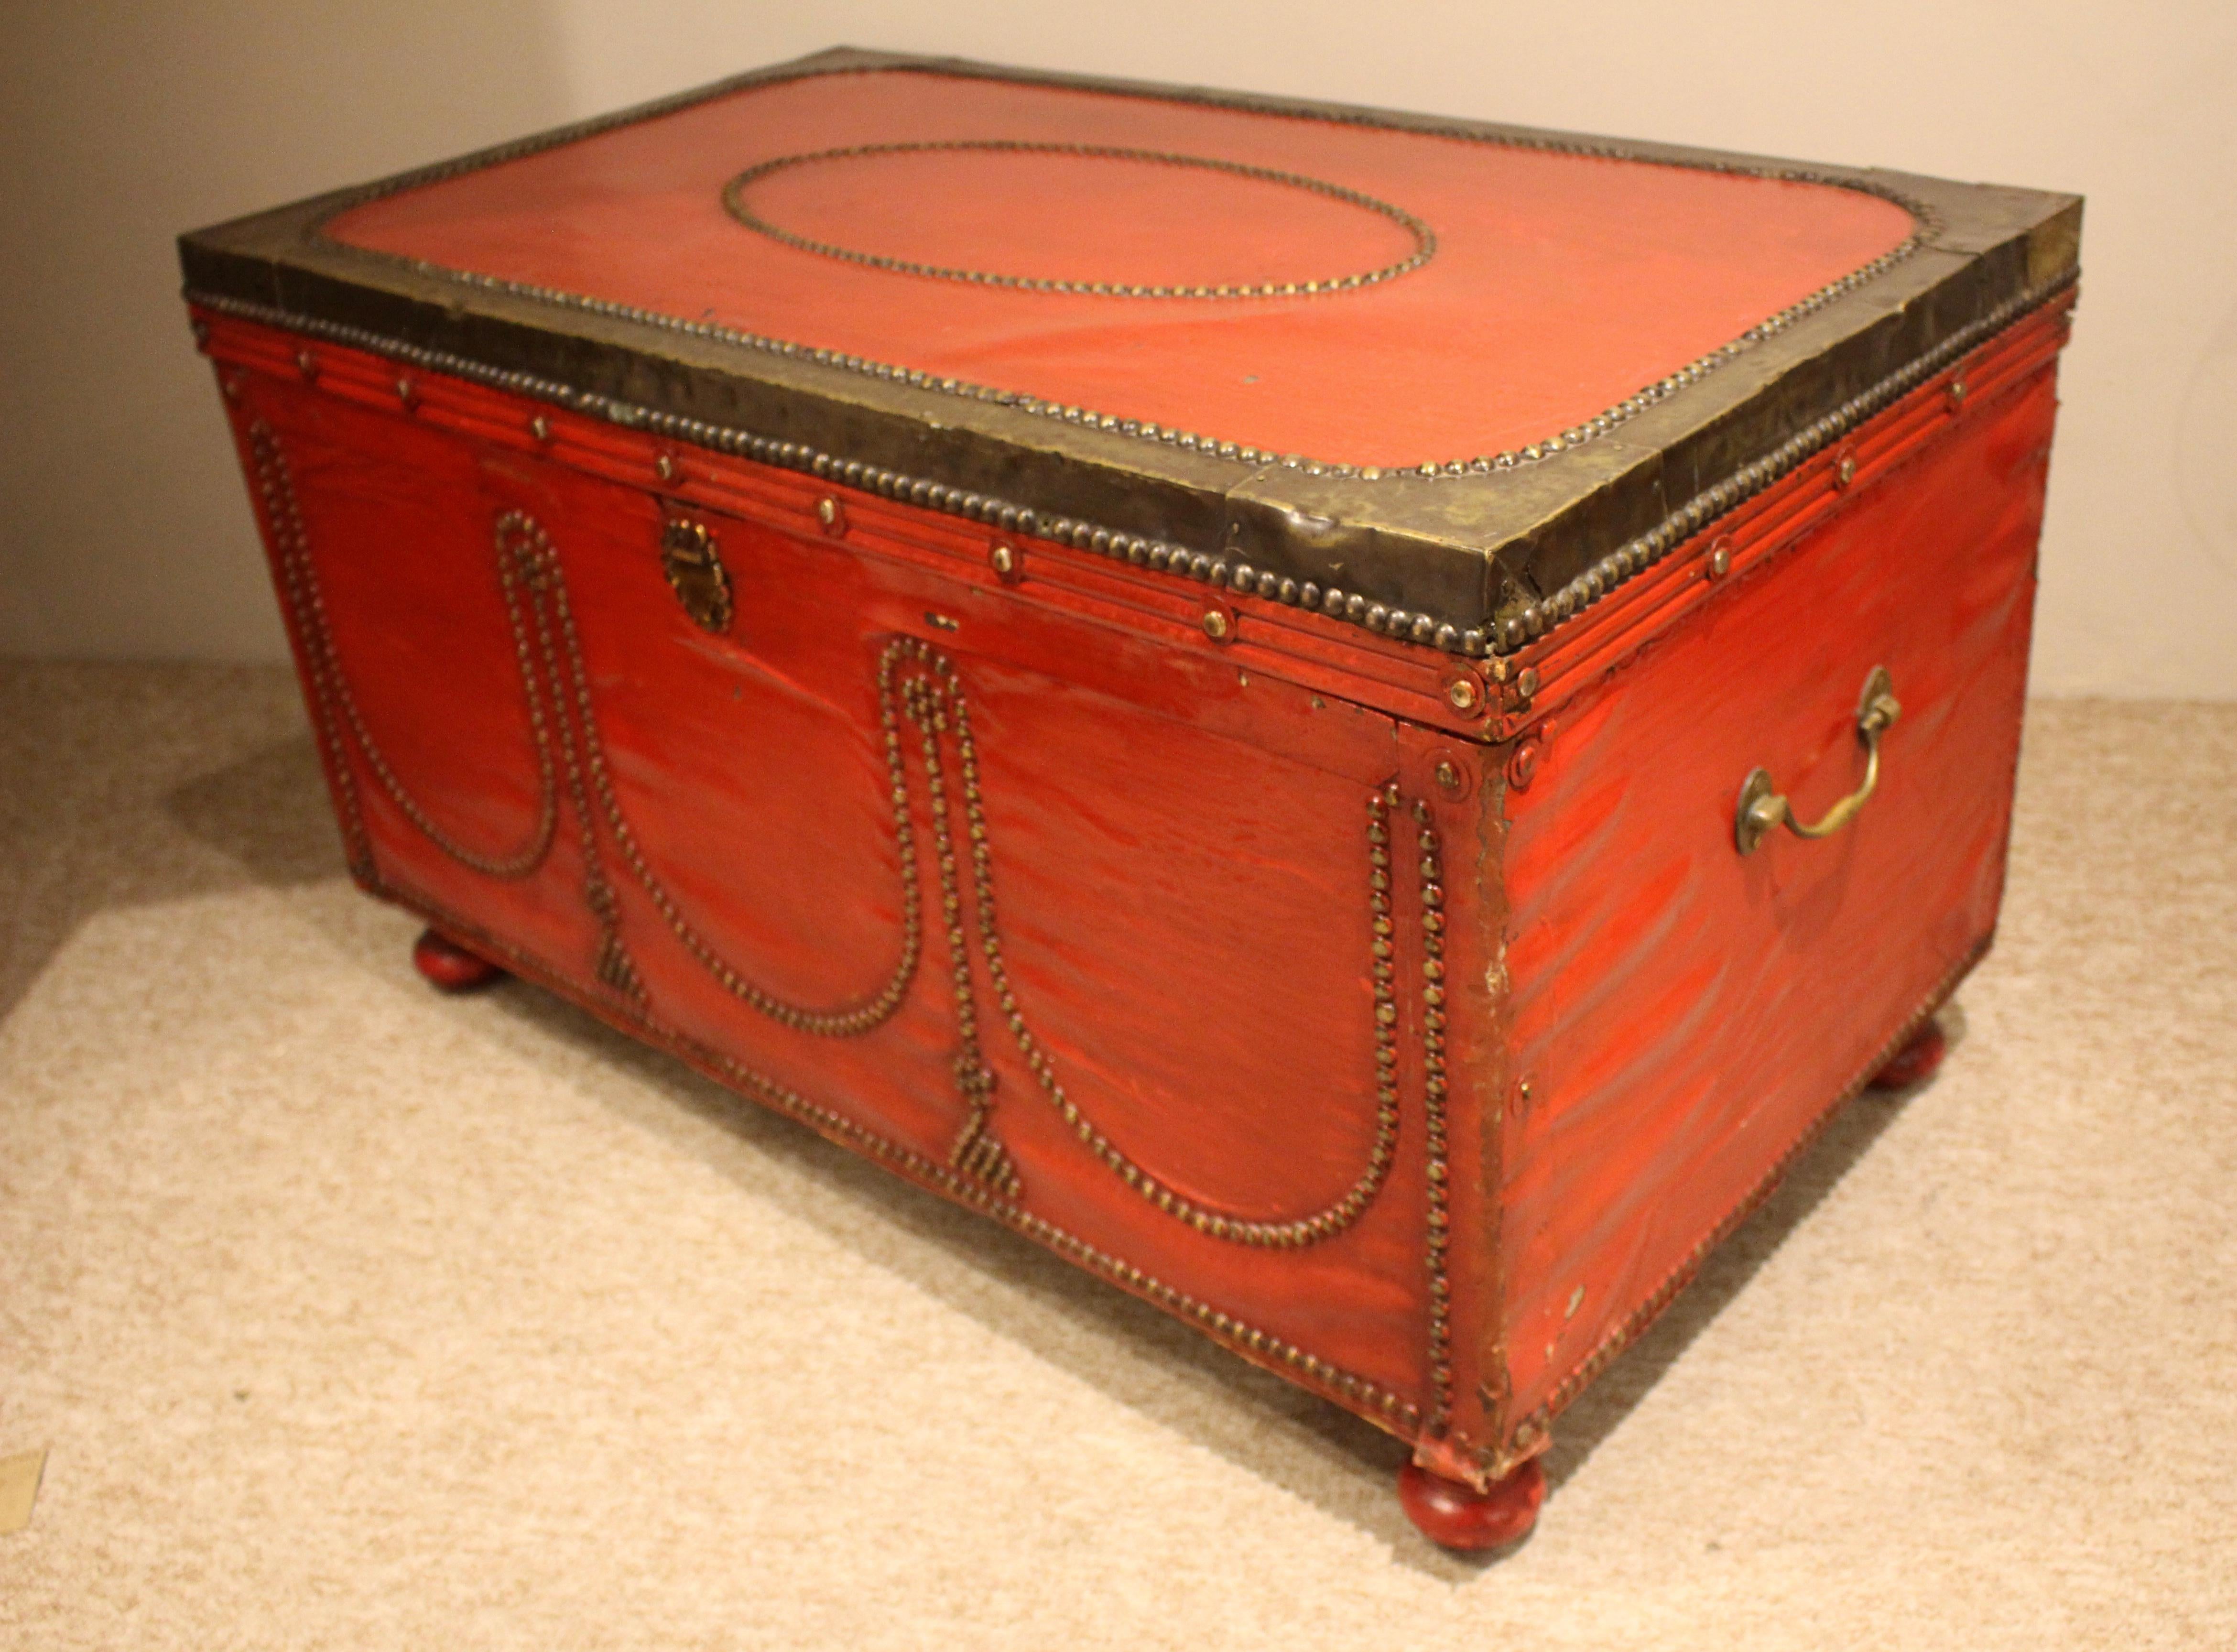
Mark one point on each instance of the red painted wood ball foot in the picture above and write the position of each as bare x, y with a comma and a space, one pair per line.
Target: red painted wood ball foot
1459, 1517
1916, 1061
449, 965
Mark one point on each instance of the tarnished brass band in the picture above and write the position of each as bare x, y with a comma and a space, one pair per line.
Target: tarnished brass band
1510, 631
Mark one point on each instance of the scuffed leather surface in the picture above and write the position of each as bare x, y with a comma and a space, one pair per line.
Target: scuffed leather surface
1560, 285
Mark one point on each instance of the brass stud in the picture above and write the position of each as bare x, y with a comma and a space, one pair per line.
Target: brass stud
1526, 683
831, 516
1006, 562
405, 392
665, 468
1720, 559
1217, 625
1463, 693
1523, 765
1957, 393
1449, 778
540, 428
1846, 472
306, 364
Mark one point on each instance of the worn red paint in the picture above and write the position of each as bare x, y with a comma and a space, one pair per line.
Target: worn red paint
1177, 832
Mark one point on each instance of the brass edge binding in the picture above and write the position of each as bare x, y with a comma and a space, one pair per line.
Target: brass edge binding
1505, 635
1533, 620
1529, 1435
1926, 225
1383, 1406
913, 680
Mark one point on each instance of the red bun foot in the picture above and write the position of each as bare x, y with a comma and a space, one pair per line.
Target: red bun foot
1916, 1061
1459, 1517
449, 965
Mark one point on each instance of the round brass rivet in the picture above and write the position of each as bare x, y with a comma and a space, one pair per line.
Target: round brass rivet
1449, 778
1216, 624
1526, 683
665, 468
404, 391
1720, 559
540, 427
827, 510
1004, 559
1848, 471
1463, 693
306, 364
1957, 393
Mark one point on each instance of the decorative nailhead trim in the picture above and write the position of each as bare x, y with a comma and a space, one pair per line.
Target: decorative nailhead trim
283, 529
933, 697
1359, 1391
1394, 1410
1438, 1221
913, 678
521, 539
872, 1012
299, 578
936, 701
1425, 240
1927, 226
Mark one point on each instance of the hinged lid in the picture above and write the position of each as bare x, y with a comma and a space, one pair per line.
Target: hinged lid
1424, 375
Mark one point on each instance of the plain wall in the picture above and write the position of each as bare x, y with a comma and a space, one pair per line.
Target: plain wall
125, 532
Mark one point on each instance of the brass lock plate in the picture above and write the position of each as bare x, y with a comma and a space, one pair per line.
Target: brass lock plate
696, 574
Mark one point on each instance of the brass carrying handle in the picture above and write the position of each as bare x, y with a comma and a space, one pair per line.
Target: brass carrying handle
1763, 808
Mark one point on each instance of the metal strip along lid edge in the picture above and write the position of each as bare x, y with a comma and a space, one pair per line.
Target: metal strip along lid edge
1468, 558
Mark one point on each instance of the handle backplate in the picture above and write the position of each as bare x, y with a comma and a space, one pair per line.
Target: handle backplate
1763, 808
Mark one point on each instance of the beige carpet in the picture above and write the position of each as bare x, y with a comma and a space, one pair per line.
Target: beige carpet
353, 1317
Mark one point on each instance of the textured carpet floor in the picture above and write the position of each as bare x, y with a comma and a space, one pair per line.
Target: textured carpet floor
355, 1316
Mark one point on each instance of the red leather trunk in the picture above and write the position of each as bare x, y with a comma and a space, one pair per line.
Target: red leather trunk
1305, 891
